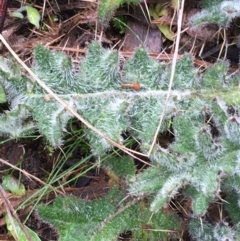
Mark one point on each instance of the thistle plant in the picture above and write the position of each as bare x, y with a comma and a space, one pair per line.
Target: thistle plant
202, 114
219, 12
107, 7
201, 162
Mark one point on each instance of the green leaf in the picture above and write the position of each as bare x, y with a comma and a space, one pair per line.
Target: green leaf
19, 232
11, 184
16, 123
164, 28
223, 231
199, 203
120, 166
3, 98
17, 14
33, 16
104, 219
219, 12
232, 206
107, 7
201, 231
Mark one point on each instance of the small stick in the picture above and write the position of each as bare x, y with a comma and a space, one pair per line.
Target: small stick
3, 11
11, 212
135, 86
174, 61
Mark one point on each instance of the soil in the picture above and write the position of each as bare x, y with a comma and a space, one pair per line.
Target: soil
73, 30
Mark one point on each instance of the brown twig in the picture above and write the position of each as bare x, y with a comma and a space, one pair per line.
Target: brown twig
174, 62
28, 175
3, 11
11, 212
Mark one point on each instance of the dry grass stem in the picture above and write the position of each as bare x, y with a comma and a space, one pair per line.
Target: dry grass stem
28, 175
11, 213
174, 61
